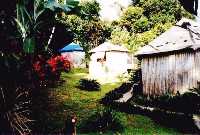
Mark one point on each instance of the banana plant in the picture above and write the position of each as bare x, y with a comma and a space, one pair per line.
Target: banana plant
31, 16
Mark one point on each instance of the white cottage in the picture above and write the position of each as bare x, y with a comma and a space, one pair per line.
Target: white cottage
109, 61
171, 62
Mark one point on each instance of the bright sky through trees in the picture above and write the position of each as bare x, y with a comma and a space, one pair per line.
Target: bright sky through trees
112, 9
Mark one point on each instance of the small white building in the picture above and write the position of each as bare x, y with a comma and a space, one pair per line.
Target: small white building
108, 62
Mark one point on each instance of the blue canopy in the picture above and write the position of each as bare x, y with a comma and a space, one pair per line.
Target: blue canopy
71, 47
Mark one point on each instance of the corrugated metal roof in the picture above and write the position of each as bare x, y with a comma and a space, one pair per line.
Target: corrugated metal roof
107, 46
176, 38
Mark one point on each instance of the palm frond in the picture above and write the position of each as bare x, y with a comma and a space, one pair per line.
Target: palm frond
38, 14
22, 29
28, 15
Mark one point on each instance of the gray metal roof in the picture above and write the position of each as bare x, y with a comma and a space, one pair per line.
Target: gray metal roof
176, 38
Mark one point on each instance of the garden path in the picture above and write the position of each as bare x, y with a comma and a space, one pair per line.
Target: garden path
126, 96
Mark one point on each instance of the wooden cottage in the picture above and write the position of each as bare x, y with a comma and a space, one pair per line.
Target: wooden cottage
171, 62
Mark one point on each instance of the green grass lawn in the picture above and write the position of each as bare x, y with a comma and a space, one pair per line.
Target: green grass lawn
84, 103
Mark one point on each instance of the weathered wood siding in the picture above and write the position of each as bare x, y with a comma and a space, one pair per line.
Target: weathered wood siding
169, 74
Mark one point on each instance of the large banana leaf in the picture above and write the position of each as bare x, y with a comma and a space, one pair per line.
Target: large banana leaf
55, 6
30, 20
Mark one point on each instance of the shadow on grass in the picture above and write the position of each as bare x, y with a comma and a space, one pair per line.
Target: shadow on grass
182, 123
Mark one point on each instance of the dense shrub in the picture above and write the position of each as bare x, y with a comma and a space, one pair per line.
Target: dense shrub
188, 102
104, 120
89, 85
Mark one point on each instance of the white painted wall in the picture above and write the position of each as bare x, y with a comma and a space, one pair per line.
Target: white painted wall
115, 65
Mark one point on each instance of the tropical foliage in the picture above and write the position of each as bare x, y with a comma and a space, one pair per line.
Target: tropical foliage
30, 39
29, 32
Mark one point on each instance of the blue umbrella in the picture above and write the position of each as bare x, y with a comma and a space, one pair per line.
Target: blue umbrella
71, 47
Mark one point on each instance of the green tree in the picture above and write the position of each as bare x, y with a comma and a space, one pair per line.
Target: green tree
145, 20
130, 16
93, 33
120, 36
141, 25
89, 10
89, 31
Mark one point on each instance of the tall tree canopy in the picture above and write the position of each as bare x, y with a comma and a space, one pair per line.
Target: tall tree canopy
89, 31
143, 21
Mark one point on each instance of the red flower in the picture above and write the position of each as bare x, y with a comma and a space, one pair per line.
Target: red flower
37, 66
57, 64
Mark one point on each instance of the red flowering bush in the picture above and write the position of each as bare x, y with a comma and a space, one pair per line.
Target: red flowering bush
59, 63
51, 69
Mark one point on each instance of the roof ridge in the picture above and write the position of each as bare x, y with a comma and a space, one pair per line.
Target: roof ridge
184, 34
